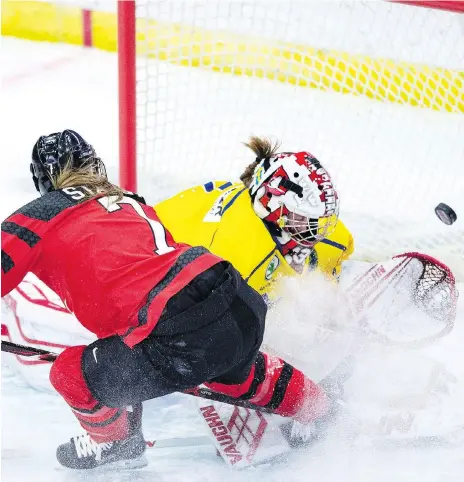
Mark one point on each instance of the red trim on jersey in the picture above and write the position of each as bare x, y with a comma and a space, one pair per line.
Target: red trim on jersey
37, 225
22, 255
156, 307
15, 248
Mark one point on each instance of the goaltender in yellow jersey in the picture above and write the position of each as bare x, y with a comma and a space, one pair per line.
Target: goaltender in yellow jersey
227, 219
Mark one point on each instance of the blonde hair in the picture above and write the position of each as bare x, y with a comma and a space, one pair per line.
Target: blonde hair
85, 176
262, 147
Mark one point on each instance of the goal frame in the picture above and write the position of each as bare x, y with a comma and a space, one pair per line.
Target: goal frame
126, 18
127, 95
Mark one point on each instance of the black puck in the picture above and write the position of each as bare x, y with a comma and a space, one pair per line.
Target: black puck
446, 214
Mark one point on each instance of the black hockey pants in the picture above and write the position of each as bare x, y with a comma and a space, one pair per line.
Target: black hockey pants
210, 331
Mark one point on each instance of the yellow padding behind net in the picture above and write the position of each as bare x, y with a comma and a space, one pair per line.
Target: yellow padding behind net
301, 65
304, 66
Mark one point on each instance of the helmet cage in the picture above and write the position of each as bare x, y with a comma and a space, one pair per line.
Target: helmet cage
307, 232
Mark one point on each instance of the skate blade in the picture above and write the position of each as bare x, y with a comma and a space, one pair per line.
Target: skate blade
131, 464
128, 464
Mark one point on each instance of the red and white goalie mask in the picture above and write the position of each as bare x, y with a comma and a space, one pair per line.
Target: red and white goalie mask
295, 194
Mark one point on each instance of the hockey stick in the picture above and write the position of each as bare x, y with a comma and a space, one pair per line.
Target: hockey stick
201, 392
175, 442
29, 351
178, 442
453, 439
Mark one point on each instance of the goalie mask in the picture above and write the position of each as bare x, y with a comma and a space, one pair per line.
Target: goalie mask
295, 196
52, 153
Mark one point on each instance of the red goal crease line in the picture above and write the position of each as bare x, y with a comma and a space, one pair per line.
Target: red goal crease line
290, 63
450, 5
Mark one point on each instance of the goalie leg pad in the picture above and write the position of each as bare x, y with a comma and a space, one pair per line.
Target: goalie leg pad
276, 385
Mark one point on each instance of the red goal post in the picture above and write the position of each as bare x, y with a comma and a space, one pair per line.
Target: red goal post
375, 89
127, 95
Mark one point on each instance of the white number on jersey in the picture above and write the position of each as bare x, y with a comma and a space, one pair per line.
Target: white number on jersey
111, 204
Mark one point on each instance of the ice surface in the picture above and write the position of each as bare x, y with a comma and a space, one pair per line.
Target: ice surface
51, 87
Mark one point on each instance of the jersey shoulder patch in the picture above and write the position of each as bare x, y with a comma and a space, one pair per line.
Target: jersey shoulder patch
227, 195
45, 208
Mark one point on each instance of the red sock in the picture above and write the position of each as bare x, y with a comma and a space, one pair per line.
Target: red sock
104, 424
275, 384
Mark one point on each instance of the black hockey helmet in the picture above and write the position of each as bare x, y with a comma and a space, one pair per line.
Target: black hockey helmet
53, 152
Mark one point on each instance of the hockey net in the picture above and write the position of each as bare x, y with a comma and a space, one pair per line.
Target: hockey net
409, 300
374, 89
431, 288
435, 292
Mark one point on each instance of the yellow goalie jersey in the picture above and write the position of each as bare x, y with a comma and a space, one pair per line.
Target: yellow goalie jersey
219, 216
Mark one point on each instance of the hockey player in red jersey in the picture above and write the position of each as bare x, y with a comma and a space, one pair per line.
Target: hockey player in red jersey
168, 316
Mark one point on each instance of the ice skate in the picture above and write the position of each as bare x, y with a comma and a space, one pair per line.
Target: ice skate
81, 452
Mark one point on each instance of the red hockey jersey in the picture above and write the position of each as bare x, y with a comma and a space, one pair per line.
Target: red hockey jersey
112, 263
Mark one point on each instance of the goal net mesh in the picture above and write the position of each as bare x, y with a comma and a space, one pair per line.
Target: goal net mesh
375, 90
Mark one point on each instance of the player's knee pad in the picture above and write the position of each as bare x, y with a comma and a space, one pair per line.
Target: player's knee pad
67, 378
118, 375
103, 423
